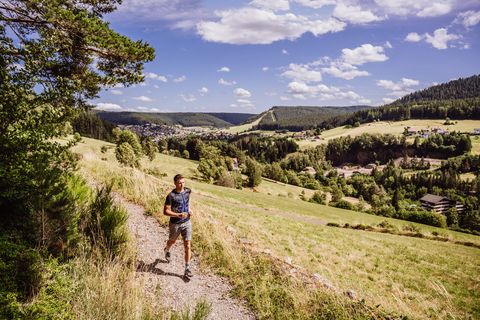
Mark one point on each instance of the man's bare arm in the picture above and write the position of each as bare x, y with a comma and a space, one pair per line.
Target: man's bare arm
167, 210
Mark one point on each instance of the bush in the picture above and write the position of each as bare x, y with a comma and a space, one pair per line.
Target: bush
126, 155
318, 197
426, 217
343, 204
225, 180
20, 272
106, 226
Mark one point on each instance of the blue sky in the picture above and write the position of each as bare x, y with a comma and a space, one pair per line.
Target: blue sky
246, 56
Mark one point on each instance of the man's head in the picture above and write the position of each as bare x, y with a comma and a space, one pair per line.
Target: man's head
179, 181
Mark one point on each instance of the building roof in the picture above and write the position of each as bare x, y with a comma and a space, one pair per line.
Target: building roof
433, 198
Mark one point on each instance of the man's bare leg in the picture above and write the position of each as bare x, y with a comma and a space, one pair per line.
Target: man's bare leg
188, 254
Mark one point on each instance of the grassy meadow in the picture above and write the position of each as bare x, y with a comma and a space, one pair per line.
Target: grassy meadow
415, 277
396, 127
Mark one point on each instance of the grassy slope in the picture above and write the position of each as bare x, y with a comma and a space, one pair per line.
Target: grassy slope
393, 128
417, 277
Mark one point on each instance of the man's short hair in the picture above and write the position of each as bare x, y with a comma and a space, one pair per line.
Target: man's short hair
178, 177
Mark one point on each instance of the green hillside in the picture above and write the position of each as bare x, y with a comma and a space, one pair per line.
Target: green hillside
409, 276
462, 88
186, 119
300, 118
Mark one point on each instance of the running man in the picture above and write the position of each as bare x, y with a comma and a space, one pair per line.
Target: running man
178, 209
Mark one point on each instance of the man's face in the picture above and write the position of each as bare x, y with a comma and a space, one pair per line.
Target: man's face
180, 184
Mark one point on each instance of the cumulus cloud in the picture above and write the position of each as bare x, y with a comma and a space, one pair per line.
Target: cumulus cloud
154, 76
363, 54
108, 106
242, 93
188, 97
182, 14
400, 88
344, 71
143, 98
413, 37
302, 73
322, 92
388, 100
259, 26
440, 38
116, 92
284, 51
180, 79
420, 8
468, 18
271, 4
265, 69
224, 69
354, 14
226, 83
203, 91
315, 4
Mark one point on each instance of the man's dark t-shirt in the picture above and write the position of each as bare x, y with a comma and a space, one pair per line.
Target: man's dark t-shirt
179, 202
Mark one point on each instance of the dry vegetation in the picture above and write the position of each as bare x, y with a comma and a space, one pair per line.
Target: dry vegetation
416, 277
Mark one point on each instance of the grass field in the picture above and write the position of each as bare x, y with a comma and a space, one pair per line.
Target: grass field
416, 277
243, 127
393, 128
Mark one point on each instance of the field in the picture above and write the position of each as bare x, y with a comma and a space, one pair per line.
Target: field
411, 276
394, 128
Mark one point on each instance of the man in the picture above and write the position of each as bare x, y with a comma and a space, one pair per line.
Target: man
177, 207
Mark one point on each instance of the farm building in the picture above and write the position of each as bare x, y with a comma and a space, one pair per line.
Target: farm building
439, 204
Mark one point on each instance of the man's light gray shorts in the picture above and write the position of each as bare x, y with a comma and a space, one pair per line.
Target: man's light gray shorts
185, 229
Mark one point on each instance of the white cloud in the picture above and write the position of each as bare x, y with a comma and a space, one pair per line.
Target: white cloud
188, 97
413, 37
180, 79
420, 8
388, 100
203, 91
344, 71
440, 38
143, 98
256, 26
284, 51
363, 54
354, 14
365, 101
400, 88
226, 83
283, 98
108, 106
242, 93
388, 45
316, 4
302, 73
154, 76
300, 90
468, 18
224, 69
271, 4
265, 69
116, 92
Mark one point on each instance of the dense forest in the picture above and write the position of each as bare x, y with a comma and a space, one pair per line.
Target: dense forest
88, 124
301, 118
462, 88
186, 119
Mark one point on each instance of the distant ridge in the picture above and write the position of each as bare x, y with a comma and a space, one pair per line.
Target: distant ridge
462, 88
186, 119
297, 118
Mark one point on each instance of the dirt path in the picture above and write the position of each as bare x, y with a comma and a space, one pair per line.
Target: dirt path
164, 280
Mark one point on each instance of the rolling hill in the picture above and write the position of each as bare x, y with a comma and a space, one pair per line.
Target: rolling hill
300, 118
186, 119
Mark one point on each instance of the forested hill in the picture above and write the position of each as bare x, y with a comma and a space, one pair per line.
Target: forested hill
300, 118
187, 119
457, 100
462, 88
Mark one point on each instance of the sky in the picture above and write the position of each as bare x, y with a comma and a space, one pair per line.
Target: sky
247, 56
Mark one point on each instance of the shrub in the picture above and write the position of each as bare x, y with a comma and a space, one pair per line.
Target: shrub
20, 272
225, 180
318, 197
106, 225
103, 149
126, 156
343, 204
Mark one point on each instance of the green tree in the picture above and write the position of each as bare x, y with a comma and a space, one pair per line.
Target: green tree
150, 148
128, 150
253, 170
126, 155
55, 55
